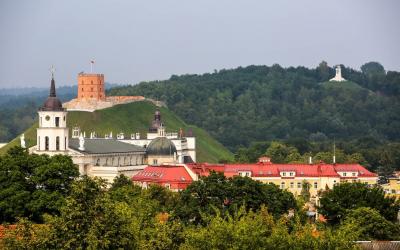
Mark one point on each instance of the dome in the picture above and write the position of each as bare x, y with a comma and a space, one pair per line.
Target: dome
52, 103
161, 146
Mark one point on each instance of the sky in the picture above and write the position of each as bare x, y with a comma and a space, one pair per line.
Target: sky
133, 41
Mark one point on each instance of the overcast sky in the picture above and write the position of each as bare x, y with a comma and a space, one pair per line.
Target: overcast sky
133, 41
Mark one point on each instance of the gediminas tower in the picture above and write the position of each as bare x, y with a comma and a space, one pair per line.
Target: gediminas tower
91, 86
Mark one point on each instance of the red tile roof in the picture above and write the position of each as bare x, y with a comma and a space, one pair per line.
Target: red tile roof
176, 176
273, 170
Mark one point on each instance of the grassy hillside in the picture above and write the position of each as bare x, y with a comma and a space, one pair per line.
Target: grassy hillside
130, 118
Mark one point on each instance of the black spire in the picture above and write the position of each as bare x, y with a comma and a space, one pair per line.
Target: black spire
52, 87
52, 103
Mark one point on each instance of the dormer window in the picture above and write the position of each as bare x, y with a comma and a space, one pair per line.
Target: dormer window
284, 174
344, 174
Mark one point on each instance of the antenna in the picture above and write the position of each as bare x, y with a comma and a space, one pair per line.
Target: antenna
334, 151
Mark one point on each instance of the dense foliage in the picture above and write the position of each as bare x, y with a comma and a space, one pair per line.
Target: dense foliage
33, 185
212, 213
261, 103
125, 217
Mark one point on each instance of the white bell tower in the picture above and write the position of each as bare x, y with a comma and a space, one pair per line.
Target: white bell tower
52, 134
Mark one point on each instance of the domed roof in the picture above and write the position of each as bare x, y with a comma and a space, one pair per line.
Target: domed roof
161, 146
52, 103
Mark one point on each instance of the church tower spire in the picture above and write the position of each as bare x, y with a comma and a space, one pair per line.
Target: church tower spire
52, 133
53, 84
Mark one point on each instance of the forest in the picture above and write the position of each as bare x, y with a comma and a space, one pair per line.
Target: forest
259, 104
45, 206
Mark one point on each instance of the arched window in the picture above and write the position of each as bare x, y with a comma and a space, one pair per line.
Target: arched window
282, 185
46, 143
57, 143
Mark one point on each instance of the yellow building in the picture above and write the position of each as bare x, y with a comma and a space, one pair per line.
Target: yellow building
392, 188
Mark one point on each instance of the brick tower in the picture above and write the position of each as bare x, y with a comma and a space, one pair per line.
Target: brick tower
91, 86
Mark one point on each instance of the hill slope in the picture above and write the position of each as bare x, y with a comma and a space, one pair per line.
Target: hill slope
261, 103
130, 118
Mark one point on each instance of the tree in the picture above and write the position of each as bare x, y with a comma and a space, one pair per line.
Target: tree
281, 153
372, 225
217, 193
31, 185
91, 220
336, 203
305, 191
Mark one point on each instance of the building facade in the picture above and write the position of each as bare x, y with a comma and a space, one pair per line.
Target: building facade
105, 158
290, 177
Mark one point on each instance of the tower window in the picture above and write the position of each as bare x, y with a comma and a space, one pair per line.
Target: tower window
82, 89
82, 83
91, 82
91, 89
46, 143
57, 122
57, 143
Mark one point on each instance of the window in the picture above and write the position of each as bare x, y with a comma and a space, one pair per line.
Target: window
65, 143
47, 118
291, 173
91, 89
57, 122
82, 89
64, 118
167, 186
91, 82
292, 185
154, 161
282, 185
38, 142
284, 174
98, 162
91, 96
344, 174
46, 143
353, 174
298, 184
334, 182
315, 185
57, 143
40, 124
393, 191
82, 83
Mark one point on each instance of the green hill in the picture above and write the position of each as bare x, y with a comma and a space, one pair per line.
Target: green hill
130, 118
261, 103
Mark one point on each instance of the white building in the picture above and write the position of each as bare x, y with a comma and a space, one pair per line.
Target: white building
105, 158
185, 144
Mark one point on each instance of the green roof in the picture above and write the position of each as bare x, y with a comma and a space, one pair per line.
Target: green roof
104, 146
